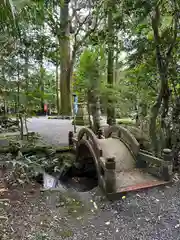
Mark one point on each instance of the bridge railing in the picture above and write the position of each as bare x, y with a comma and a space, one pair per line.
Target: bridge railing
93, 140
126, 137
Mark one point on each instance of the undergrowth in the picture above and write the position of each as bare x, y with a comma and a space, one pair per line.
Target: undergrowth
22, 168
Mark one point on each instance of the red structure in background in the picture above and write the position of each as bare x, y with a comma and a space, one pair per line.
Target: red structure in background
45, 108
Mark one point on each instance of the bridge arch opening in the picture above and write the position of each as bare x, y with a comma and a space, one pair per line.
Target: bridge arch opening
87, 164
83, 175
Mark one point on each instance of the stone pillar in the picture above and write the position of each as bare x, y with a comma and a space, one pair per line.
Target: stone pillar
168, 164
110, 175
82, 115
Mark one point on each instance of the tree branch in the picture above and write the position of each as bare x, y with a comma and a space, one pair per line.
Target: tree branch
77, 44
155, 25
88, 33
175, 30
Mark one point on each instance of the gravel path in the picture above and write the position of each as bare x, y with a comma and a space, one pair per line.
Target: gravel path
53, 131
152, 214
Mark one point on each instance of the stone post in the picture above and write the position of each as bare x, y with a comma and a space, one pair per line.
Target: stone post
82, 115
168, 164
110, 175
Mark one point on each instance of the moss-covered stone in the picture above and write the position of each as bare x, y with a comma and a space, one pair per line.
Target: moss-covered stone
82, 118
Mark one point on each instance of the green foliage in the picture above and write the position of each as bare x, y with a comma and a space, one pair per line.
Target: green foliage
24, 167
89, 72
31, 35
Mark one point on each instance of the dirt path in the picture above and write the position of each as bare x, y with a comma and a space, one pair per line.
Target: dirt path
153, 214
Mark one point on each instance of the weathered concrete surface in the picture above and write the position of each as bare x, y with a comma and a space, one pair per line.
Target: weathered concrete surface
115, 148
127, 177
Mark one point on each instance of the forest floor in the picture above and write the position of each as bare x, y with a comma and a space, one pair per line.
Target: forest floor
32, 214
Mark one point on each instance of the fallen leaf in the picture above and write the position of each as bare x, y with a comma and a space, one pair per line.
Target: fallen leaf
107, 223
95, 205
3, 190
177, 226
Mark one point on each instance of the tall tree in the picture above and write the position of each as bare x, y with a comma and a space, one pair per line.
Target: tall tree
65, 74
110, 65
163, 61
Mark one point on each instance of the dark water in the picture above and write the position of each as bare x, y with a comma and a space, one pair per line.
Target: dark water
80, 184
81, 179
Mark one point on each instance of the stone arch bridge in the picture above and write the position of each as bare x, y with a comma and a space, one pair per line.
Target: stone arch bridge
121, 165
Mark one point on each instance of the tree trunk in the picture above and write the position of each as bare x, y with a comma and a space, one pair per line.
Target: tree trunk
65, 66
57, 81
110, 107
57, 90
152, 126
176, 132
96, 113
21, 126
4, 94
162, 69
26, 74
5, 107
41, 85
18, 88
116, 68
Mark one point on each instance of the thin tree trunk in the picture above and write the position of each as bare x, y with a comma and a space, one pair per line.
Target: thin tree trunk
18, 95
97, 123
26, 72
116, 67
110, 107
42, 85
57, 89
21, 126
18, 92
5, 93
5, 107
26, 127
